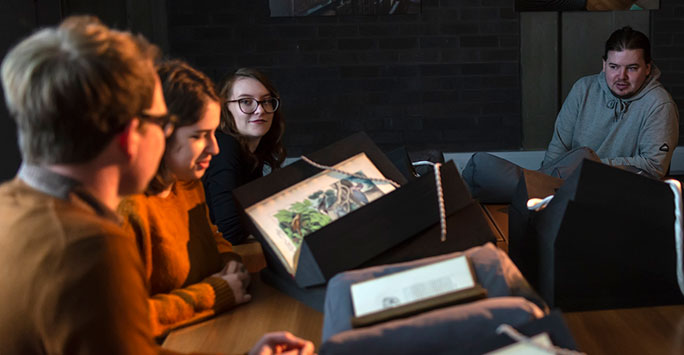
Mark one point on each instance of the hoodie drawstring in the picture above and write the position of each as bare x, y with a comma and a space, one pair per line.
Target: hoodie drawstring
619, 108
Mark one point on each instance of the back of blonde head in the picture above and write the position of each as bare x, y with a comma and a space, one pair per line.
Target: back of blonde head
72, 88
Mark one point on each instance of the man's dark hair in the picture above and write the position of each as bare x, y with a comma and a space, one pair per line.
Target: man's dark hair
72, 88
627, 38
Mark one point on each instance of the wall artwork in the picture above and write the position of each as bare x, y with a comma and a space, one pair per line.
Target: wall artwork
289, 8
585, 5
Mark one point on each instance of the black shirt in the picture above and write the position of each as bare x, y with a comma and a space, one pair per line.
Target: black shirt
227, 171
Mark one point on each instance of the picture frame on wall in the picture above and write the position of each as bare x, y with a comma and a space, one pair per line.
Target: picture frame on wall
293, 8
585, 5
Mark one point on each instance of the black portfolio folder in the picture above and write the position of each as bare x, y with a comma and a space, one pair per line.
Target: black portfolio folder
399, 226
522, 235
607, 240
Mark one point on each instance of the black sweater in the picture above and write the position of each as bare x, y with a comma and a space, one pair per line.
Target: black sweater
227, 171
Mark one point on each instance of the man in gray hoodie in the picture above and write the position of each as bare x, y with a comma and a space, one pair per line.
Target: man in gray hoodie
622, 113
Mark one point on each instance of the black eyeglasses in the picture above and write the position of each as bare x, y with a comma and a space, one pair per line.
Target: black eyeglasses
249, 105
166, 122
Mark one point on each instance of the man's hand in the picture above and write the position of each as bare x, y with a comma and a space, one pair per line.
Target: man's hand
282, 343
237, 277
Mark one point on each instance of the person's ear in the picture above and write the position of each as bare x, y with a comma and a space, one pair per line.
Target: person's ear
604, 65
648, 69
128, 138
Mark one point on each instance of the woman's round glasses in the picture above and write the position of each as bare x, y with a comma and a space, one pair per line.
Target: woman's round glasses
249, 105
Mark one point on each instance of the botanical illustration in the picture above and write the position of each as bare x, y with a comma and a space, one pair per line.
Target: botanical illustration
324, 206
286, 217
342, 7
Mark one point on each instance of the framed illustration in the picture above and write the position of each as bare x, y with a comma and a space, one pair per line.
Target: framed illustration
585, 5
285, 218
290, 8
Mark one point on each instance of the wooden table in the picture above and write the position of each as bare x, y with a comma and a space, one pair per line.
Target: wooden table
646, 330
497, 217
236, 331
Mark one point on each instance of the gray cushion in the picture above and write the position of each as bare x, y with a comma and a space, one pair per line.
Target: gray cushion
435, 332
494, 180
494, 271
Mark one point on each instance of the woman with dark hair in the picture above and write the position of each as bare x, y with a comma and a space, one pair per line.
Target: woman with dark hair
191, 270
250, 136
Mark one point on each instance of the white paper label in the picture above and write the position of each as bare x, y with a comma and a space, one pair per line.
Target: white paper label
411, 285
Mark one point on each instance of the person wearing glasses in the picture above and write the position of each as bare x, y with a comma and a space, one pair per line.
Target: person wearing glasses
249, 137
191, 269
91, 120
88, 106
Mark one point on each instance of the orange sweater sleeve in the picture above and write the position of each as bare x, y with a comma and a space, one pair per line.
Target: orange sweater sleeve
179, 306
189, 305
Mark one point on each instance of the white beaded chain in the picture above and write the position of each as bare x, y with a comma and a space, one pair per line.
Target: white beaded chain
440, 196
438, 183
326, 167
440, 201
515, 335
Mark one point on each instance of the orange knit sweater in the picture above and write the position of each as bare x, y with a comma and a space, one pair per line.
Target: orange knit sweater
180, 249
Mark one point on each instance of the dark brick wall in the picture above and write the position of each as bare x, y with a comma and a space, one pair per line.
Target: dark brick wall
667, 41
18, 18
446, 79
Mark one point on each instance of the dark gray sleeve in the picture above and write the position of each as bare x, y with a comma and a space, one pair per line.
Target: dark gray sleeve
564, 128
657, 141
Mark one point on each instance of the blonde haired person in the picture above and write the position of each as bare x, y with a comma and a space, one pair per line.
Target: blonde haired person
91, 120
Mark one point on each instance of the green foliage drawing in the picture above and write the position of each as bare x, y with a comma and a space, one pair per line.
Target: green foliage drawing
301, 219
325, 206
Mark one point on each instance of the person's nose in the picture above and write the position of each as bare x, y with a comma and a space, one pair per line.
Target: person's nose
623, 73
259, 109
212, 147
